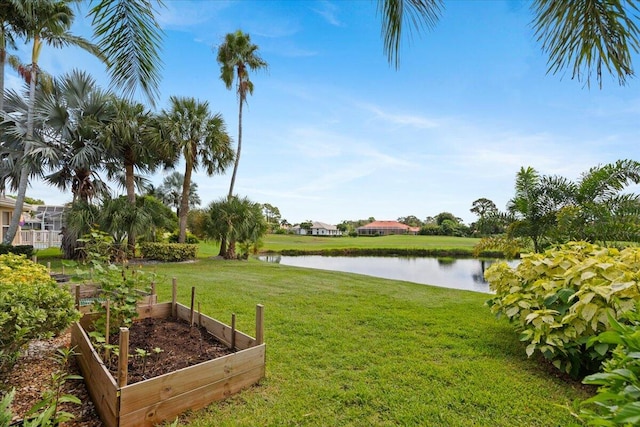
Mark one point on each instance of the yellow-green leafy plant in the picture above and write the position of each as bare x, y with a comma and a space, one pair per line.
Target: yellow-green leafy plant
32, 306
558, 299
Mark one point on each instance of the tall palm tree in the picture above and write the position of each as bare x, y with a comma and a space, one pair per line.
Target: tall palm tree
236, 56
45, 22
11, 26
201, 138
585, 36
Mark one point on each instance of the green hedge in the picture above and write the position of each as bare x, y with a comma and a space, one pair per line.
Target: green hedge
168, 252
26, 250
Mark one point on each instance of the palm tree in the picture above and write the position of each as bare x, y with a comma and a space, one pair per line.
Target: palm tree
74, 113
583, 35
170, 191
129, 35
536, 204
236, 221
236, 56
201, 138
45, 21
11, 26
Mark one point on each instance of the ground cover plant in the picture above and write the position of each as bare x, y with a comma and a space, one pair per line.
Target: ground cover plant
345, 349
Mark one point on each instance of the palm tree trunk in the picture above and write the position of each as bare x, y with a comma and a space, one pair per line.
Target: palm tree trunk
131, 196
184, 203
24, 172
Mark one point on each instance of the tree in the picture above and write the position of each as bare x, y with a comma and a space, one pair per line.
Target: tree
411, 220
535, 205
488, 216
272, 215
201, 138
48, 22
585, 36
237, 221
236, 56
170, 192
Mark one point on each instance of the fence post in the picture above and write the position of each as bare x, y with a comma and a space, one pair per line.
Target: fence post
123, 358
259, 324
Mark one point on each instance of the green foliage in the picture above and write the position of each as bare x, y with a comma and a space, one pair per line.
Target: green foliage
32, 306
5, 408
26, 250
168, 252
98, 248
618, 397
190, 238
508, 247
559, 299
46, 412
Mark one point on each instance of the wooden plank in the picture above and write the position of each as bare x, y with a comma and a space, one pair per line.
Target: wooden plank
195, 399
162, 310
100, 384
147, 393
219, 330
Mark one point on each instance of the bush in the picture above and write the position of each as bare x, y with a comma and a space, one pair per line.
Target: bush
616, 403
26, 250
168, 252
190, 238
32, 306
559, 299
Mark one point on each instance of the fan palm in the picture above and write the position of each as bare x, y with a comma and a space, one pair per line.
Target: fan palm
201, 138
171, 191
236, 220
44, 22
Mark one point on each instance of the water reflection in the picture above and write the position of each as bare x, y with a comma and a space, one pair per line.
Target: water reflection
466, 274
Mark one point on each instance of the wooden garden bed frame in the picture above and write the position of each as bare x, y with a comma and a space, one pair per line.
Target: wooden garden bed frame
149, 402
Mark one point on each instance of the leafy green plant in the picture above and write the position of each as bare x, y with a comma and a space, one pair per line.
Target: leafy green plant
47, 411
617, 402
168, 252
557, 300
32, 306
5, 408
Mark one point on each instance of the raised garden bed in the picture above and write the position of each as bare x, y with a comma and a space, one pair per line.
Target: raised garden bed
151, 401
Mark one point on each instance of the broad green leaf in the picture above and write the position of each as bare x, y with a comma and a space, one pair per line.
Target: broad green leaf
629, 413
530, 349
588, 311
601, 348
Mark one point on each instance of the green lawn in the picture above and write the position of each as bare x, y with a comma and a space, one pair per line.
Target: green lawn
350, 350
279, 242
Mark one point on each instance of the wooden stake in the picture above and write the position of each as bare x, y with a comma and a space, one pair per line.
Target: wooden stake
78, 297
34, 258
259, 324
233, 331
123, 359
193, 299
106, 332
49, 267
174, 298
153, 293
199, 316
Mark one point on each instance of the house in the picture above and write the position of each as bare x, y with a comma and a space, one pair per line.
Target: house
322, 229
385, 228
316, 229
7, 205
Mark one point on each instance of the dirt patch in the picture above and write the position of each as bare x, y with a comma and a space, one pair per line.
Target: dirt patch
179, 346
160, 346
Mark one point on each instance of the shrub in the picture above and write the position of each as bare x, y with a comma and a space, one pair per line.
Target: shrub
560, 298
168, 252
26, 250
616, 403
190, 238
32, 306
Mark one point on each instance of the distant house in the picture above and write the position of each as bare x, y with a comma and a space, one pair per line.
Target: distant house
322, 229
7, 205
317, 229
385, 228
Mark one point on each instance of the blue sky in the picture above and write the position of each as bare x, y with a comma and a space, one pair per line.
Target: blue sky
333, 132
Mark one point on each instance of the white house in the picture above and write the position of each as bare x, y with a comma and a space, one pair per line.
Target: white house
7, 205
322, 229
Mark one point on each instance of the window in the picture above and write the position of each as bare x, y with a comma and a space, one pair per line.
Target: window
6, 219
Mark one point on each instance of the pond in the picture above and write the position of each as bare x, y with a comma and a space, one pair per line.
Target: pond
455, 273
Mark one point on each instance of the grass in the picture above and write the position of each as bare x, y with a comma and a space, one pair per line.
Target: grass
350, 350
